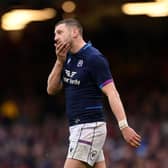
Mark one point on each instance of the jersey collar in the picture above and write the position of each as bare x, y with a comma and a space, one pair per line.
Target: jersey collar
79, 53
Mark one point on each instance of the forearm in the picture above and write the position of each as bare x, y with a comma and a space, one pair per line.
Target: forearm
118, 110
54, 83
116, 105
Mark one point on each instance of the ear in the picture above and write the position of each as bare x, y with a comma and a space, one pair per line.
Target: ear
75, 32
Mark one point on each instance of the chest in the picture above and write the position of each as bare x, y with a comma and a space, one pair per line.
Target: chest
75, 72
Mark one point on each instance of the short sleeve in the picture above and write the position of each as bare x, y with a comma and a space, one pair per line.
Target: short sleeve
100, 70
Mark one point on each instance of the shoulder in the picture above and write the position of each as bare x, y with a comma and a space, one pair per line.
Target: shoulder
93, 54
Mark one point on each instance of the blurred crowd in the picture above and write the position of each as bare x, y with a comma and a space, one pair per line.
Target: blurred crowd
30, 137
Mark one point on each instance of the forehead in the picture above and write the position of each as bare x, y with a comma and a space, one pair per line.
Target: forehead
60, 27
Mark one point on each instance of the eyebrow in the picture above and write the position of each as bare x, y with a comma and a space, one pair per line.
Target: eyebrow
59, 30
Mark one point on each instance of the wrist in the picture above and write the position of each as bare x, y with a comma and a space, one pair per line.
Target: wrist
58, 62
123, 124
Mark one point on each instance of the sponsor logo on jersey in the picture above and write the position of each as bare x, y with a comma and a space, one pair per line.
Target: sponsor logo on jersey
69, 76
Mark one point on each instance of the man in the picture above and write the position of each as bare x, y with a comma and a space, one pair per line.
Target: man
84, 72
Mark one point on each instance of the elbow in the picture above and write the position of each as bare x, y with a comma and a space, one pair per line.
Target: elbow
50, 91
53, 88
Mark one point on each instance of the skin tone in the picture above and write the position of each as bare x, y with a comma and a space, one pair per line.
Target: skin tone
68, 39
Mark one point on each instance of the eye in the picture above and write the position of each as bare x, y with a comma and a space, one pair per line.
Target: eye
59, 32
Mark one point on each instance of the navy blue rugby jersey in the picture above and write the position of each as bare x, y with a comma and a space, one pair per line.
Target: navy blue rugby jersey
84, 74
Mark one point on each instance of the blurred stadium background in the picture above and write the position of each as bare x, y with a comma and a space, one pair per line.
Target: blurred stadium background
33, 126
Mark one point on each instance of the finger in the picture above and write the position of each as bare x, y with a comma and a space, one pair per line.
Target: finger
59, 46
137, 138
132, 144
66, 48
60, 50
135, 142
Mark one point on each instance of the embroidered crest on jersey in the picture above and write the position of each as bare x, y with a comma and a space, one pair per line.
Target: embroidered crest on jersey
80, 63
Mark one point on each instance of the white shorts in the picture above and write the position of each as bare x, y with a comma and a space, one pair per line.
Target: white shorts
86, 142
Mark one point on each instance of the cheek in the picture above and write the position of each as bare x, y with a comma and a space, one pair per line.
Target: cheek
67, 38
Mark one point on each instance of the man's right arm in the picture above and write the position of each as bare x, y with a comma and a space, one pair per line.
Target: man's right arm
54, 83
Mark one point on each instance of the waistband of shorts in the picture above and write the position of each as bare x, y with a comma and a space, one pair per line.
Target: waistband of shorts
90, 124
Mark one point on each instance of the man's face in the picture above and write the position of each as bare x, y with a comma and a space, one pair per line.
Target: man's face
63, 34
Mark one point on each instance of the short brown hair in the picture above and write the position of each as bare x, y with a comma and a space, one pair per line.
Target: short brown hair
71, 22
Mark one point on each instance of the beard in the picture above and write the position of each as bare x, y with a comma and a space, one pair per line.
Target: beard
69, 41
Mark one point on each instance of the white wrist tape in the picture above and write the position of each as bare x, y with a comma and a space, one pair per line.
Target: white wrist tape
123, 124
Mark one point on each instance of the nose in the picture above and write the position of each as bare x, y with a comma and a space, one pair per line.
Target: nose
56, 39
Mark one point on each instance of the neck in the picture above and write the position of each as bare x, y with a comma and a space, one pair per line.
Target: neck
77, 45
